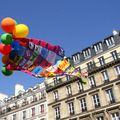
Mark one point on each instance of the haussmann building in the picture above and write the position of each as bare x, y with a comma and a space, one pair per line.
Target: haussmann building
24, 105
99, 99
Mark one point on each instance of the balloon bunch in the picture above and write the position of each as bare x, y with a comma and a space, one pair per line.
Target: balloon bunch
9, 45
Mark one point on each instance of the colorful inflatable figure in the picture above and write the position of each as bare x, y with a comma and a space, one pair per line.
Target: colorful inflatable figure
32, 56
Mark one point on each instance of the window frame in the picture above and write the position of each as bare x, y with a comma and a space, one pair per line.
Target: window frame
96, 101
42, 108
117, 70
98, 48
105, 76
100, 118
87, 53
57, 112
115, 116
90, 65
68, 77
56, 96
14, 117
69, 90
83, 104
110, 42
24, 114
110, 96
33, 111
80, 86
76, 58
101, 60
56, 81
114, 55
92, 81
71, 108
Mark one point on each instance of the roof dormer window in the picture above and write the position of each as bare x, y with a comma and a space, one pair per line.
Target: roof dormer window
98, 48
76, 58
110, 42
87, 53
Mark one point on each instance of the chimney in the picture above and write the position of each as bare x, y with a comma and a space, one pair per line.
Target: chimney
115, 32
19, 89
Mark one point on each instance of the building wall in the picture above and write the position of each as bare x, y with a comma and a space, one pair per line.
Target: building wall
106, 109
25, 102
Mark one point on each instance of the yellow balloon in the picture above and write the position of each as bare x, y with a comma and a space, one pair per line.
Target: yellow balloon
20, 31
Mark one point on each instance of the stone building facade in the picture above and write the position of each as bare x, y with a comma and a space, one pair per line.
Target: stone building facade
25, 105
99, 99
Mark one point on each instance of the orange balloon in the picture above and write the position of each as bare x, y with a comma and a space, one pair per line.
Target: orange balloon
8, 24
5, 59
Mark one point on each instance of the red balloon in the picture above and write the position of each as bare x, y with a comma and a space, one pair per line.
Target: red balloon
5, 49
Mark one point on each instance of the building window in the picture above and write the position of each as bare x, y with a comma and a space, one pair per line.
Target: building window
114, 55
56, 81
92, 81
24, 115
101, 60
98, 48
55, 95
117, 68
96, 100
87, 53
71, 108
57, 113
100, 118
42, 108
115, 116
91, 65
76, 58
69, 91
42, 94
105, 76
110, 96
14, 117
80, 86
33, 111
110, 42
68, 77
83, 104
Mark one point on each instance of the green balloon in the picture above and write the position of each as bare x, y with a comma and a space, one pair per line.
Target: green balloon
6, 38
6, 72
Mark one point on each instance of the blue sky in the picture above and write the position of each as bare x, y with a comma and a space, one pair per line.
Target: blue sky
74, 25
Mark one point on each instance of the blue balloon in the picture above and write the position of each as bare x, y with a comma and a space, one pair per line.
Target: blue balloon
15, 45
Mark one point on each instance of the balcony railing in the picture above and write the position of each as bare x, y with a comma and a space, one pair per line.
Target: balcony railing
62, 81
84, 109
109, 61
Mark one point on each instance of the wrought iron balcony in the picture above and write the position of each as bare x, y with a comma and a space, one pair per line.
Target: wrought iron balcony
96, 67
63, 81
109, 63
